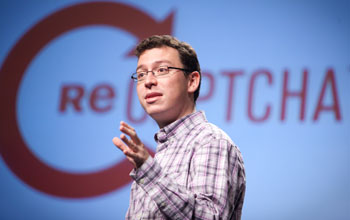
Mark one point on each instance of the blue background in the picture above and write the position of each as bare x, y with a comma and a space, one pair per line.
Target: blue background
296, 169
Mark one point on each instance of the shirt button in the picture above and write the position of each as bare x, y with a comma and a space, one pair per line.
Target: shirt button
142, 181
162, 205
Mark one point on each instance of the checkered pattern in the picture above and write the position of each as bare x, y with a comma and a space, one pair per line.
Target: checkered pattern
197, 173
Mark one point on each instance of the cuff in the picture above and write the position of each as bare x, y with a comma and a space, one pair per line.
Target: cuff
147, 173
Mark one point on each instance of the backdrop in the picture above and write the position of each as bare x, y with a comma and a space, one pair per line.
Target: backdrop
276, 78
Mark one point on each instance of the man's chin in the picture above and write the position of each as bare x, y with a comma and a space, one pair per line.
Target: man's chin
155, 113
159, 115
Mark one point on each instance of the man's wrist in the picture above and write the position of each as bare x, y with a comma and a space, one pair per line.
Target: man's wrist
139, 172
147, 172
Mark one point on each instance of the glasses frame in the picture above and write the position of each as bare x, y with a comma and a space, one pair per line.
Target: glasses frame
134, 75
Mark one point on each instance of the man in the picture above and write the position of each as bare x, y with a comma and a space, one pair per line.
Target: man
197, 171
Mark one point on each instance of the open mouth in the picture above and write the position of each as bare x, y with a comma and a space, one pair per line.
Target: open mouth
152, 97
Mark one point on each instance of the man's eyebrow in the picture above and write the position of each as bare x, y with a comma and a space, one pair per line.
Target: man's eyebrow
139, 67
156, 62
163, 61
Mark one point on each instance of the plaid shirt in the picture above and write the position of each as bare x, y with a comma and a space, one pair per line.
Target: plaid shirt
197, 173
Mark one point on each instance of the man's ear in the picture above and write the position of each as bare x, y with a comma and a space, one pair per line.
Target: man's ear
193, 81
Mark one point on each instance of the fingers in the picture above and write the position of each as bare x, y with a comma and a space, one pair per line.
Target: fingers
126, 150
133, 148
127, 129
126, 125
117, 142
130, 143
130, 131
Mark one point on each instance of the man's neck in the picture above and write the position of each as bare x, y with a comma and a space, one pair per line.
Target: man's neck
163, 123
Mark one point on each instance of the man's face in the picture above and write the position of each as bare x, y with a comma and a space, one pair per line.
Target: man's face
165, 99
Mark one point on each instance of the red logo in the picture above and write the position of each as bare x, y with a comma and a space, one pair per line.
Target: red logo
13, 149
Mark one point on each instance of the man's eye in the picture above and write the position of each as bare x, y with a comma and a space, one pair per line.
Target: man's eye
141, 75
162, 70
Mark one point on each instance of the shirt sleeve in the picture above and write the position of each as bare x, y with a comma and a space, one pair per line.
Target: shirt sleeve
215, 189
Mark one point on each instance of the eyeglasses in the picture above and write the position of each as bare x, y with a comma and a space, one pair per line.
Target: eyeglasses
161, 71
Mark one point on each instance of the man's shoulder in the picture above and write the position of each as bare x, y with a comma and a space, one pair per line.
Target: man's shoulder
210, 132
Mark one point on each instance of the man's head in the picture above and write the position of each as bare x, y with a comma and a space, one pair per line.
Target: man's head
187, 54
168, 78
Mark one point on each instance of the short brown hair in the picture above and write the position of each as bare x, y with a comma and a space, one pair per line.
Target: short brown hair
188, 55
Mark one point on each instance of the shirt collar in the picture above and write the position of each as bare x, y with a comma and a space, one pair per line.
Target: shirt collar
180, 126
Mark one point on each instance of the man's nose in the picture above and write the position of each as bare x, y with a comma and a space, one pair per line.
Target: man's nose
150, 79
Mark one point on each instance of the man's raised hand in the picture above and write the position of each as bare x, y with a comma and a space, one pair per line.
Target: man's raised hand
133, 148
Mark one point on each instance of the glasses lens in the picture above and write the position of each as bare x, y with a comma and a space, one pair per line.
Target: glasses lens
162, 70
141, 76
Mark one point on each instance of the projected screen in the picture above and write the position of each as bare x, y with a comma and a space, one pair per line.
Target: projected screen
275, 77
